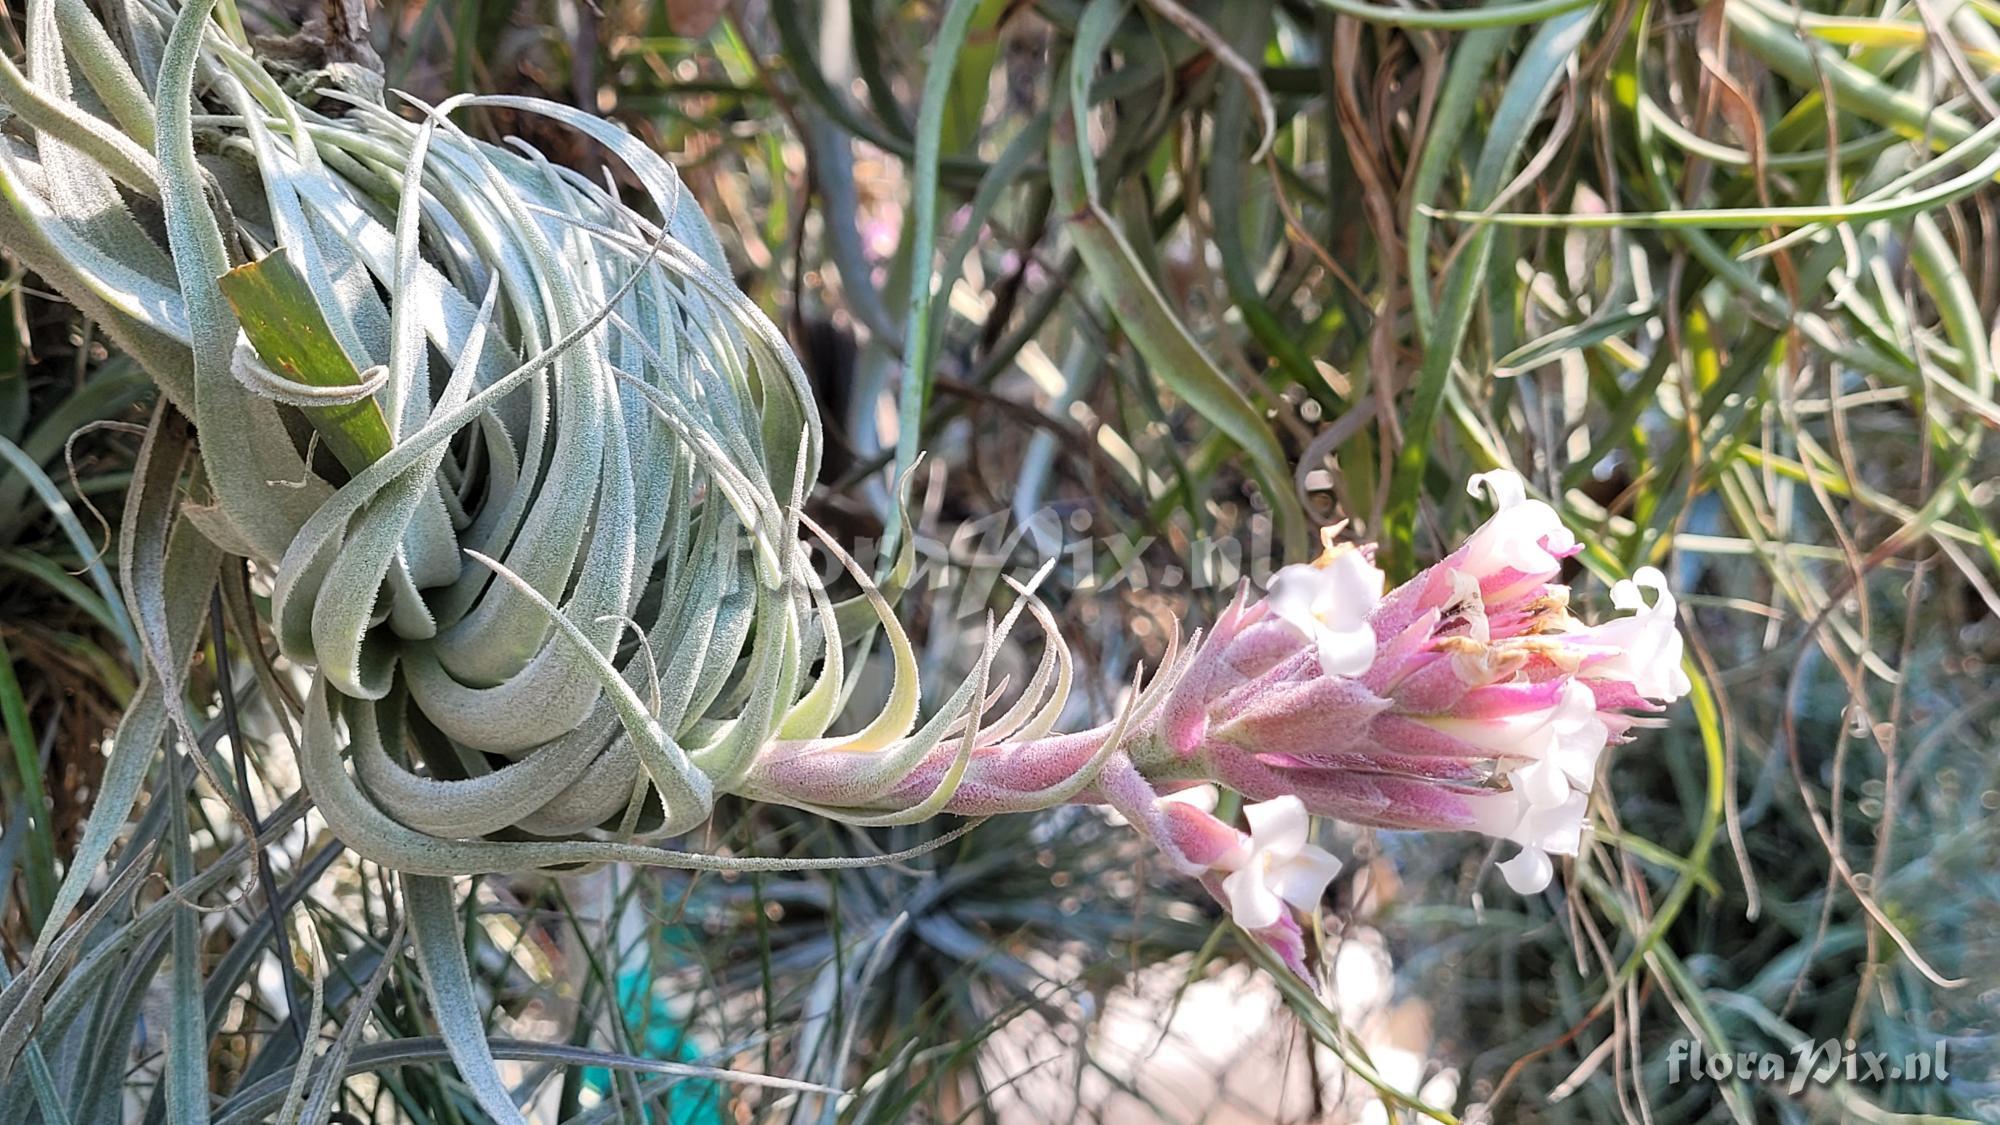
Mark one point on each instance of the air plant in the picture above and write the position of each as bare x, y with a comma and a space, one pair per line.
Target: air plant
523, 473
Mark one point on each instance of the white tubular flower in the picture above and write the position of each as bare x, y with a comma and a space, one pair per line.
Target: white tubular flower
1644, 649
1329, 602
1278, 867
1540, 830
1545, 809
1559, 742
1524, 536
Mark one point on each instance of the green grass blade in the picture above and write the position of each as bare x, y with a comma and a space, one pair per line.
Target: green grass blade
40, 872
1534, 80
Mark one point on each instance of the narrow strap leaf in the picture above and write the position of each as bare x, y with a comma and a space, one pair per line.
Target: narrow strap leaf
432, 909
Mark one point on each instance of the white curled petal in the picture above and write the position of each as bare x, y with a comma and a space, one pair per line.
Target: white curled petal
1203, 797
1329, 603
1528, 537
1626, 596
1580, 735
1302, 882
1252, 902
1644, 649
1278, 828
1508, 815
1523, 734
1652, 578
1669, 681
1557, 828
1350, 586
1528, 872
1345, 652
1293, 596
1541, 784
1503, 486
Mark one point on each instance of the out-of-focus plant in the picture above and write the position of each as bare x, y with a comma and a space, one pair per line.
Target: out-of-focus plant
67, 645
891, 986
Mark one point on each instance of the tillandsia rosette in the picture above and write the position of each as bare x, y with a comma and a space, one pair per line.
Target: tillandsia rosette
523, 472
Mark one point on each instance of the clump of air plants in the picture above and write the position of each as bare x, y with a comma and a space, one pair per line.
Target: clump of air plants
524, 471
